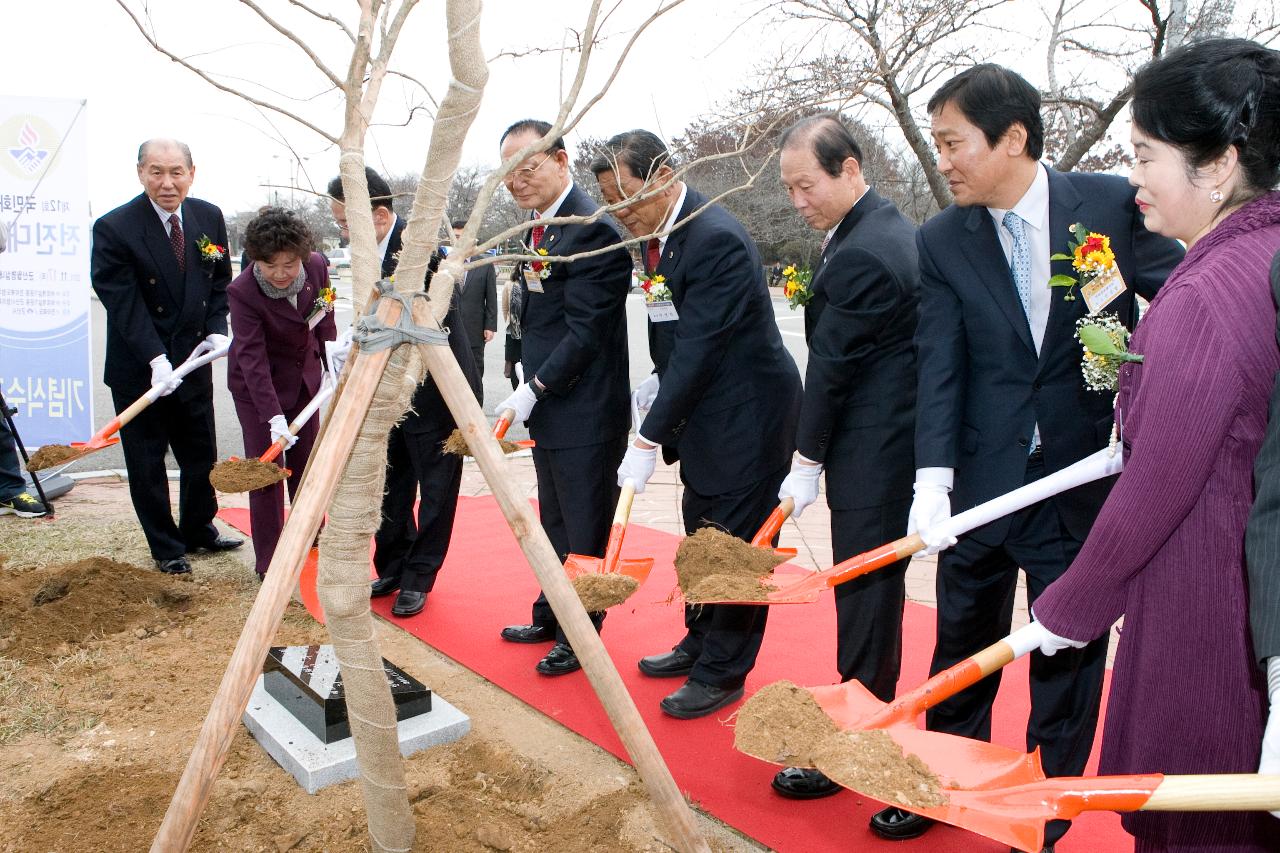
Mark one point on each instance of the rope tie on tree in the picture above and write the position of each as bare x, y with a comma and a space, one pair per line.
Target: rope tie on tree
373, 335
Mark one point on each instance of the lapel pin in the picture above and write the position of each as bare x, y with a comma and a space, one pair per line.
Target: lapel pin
551, 239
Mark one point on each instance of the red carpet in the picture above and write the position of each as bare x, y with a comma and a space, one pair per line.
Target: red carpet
486, 584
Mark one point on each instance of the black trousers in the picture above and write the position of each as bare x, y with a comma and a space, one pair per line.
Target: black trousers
187, 427
577, 494
724, 639
12, 483
404, 547
477, 354
976, 585
869, 608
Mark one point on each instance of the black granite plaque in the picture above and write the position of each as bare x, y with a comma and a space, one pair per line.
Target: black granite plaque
307, 682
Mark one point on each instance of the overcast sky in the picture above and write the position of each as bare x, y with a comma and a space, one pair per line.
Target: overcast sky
685, 65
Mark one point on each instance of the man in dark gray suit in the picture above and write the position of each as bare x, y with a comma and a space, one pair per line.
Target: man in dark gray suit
1262, 554
478, 303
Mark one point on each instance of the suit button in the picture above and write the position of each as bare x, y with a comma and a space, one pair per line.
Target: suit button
1036, 386
151, 281
159, 309
1023, 442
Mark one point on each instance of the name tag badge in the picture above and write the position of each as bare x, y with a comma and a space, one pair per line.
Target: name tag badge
315, 318
661, 312
533, 281
1103, 290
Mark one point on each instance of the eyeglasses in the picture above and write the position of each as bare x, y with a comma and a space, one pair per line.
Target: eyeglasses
525, 174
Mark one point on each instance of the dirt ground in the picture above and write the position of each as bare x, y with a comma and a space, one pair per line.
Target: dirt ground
106, 672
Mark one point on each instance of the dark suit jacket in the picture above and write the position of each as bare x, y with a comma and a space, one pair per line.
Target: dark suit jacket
429, 414
729, 395
274, 354
153, 308
1262, 539
982, 388
574, 335
478, 303
859, 392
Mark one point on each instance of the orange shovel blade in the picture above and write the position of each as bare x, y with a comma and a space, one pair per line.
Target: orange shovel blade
638, 568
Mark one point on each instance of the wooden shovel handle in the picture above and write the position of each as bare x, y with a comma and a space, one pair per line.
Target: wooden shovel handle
276, 448
620, 516
942, 686
869, 561
1216, 792
503, 423
772, 524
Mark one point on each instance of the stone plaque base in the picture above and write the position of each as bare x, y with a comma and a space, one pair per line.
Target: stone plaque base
317, 765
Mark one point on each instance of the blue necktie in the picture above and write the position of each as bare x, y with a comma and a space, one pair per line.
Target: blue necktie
1020, 262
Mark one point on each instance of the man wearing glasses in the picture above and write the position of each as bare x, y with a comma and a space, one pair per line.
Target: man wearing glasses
575, 397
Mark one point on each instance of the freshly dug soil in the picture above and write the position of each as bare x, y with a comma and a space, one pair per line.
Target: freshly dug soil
457, 444
735, 566
872, 763
714, 588
601, 591
245, 475
50, 455
782, 723
64, 606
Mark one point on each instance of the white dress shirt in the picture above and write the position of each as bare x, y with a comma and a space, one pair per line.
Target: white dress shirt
1033, 208
164, 217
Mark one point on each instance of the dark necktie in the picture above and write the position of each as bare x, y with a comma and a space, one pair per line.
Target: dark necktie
653, 254
177, 242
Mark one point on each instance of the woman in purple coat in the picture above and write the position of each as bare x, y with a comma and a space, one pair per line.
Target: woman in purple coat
280, 318
1167, 551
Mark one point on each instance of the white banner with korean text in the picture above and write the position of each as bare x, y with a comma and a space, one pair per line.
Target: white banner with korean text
45, 355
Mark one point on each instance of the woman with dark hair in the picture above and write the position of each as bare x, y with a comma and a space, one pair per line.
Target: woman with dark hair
1167, 551
281, 316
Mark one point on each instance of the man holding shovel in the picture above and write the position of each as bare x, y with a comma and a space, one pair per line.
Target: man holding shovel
858, 417
724, 400
574, 351
161, 269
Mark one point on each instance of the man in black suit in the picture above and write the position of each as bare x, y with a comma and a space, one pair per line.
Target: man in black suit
1262, 550
726, 402
164, 296
1001, 400
407, 554
858, 418
573, 341
477, 304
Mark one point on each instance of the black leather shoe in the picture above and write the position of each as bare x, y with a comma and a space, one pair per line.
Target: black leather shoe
674, 663
528, 634
218, 543
409, 603
898, 825
559, 661
174, 566
695, 699
383, 586
803, 783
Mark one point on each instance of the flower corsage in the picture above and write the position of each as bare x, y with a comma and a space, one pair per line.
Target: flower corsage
210, 252
1091, 257
655, 288
797, 286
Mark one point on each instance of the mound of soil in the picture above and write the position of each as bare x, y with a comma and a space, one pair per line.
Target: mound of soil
872, 763
713, 565
782, 723
244, 475
601, 591
50, 455
69, 604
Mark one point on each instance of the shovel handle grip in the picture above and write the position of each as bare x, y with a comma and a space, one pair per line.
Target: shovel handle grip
503, 423
772, 524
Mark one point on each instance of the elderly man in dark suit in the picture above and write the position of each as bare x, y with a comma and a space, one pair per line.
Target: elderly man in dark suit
477, 304
276, 364
726, 400
574, 350
408, 553
1262, 552
1001, 400
160, 268
858, 418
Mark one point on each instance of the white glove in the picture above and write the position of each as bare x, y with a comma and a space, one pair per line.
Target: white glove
519, 373
801, 485
931, 507
646, 392
1036, 636
216, 341
1270, 763
162, 375
338, 351
522, 400
280, 431
637, 466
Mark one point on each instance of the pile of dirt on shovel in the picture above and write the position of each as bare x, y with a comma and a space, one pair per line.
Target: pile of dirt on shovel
73, 603
784, 724
711, 565
873, 763
50, 455
244, 475
602, 591
457, 444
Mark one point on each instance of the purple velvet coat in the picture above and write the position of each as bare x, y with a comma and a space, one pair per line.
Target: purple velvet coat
1167, 550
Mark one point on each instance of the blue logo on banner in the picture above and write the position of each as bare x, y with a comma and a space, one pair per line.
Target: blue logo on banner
28, 157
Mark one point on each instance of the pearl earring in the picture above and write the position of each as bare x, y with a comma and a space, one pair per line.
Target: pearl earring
1216, 196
